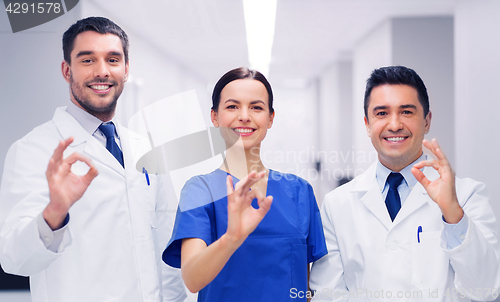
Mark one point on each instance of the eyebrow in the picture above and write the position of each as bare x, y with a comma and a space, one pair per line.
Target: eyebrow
376, 108
408, 106
400, 107
238, 102
84, 53
88, 52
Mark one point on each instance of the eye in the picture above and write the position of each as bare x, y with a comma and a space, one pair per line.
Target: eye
381, 113
86, 60
407, 112
231, 107
113, 60
257, 107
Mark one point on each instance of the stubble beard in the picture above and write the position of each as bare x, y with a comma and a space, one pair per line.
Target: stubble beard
87, 104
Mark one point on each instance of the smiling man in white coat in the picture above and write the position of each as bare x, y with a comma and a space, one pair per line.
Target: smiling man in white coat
81, 221
406, 229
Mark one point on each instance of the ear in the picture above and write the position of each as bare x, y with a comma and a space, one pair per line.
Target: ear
367, 125
271, 120
126, 71
66, 71
428, 122
215, 118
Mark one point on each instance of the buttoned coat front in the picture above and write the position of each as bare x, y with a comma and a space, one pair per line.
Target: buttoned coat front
371, 258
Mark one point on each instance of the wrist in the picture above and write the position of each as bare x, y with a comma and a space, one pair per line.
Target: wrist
230, 242
54, 216
453, 214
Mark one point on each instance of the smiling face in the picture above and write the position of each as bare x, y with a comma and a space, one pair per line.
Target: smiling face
97, 73
396, 125
244, 110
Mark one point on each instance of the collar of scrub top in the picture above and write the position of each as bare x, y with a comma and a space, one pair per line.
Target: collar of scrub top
404, 189
91, 123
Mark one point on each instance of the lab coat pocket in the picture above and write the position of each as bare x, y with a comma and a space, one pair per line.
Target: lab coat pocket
151, 189
154, 234
430, 263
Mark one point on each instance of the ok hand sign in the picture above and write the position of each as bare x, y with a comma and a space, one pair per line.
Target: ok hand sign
441, 190
65, 187
242, 217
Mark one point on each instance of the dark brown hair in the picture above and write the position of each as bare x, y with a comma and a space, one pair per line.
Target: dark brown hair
98, 24
239, 74
396, 75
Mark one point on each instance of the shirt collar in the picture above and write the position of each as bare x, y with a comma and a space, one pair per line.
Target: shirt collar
382, 172
89, 122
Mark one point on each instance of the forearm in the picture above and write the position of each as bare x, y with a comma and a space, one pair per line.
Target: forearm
201, 267
22, 252
326, 279
476, 263
24, 195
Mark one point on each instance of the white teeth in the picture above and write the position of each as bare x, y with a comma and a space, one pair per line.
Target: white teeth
99, 87
243, 130
395, 139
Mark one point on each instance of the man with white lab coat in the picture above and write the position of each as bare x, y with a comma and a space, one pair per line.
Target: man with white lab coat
406, 229
82, 221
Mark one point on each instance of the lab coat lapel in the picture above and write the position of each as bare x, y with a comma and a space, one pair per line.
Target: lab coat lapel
417, 197
98, 152
130, 147
68, 126
135, 148
372, 199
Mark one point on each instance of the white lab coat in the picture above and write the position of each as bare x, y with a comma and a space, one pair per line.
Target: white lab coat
111, 249
371, 258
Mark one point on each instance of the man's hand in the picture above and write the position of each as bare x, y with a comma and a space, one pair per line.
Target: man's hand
65, 187
242, 217
441, 190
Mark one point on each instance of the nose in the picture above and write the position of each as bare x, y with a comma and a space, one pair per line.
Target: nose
395, 123
101, 69
244, 115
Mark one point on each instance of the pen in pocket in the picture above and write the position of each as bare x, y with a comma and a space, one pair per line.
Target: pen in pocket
146, 174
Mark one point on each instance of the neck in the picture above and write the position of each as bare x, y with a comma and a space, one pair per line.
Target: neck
397, 166
104, 116
239, 161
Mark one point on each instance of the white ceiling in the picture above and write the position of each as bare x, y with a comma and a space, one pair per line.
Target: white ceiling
208, 36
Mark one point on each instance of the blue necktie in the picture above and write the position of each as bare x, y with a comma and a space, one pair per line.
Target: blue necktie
393, 201
109, 132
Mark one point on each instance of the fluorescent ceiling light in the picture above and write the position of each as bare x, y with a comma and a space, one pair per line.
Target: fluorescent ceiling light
260, 17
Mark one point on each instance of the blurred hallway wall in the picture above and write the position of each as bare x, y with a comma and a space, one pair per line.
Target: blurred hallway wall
477, 64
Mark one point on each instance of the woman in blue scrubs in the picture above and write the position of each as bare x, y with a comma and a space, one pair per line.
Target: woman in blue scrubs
244, 232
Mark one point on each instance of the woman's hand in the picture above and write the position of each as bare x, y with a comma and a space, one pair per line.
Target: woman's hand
242, 217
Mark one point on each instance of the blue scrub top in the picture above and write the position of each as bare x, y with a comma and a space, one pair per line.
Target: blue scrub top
271, 265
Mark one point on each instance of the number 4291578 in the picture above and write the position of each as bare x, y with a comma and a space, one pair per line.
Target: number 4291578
39, 8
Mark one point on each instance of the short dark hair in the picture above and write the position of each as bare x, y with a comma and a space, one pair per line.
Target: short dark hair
98, 24
397, 75
239, 74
